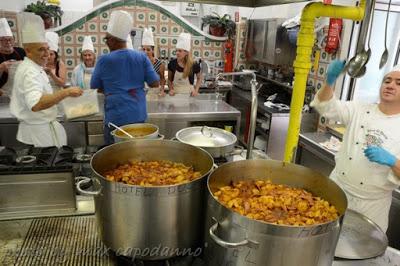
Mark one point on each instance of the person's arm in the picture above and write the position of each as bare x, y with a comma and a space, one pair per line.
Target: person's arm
48, 100
333, 72
150, 75
396, 169
162, 79
171, 74
171, 90
96, 81
325, 102
62, 71
382, 156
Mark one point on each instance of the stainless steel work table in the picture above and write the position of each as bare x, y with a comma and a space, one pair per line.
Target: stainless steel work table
169, 113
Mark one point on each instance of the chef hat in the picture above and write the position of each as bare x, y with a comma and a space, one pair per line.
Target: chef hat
32, 28
147, 38
395, 68
184, 41
129, 42
87, 44
5, 30
52, 40
120, 24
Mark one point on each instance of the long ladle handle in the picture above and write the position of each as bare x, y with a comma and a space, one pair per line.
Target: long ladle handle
120, 129
372, 24
386, 23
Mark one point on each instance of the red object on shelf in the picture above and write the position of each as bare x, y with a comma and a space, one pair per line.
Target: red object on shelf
334, 32
327, 2
228, 56
217, 31
237, 16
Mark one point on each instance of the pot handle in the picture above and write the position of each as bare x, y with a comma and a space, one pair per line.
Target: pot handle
84, 180
238, 152
208, 133
224, 244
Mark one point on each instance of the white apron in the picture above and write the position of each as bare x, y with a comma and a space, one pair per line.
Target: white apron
181, 84
42, 135
35, 128
376, 209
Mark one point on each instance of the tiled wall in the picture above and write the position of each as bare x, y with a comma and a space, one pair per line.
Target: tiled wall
166, 27
12, 21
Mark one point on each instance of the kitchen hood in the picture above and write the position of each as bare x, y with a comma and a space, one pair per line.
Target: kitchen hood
247, 3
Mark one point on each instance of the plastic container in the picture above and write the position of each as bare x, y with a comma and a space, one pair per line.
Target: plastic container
7, 88
86, 104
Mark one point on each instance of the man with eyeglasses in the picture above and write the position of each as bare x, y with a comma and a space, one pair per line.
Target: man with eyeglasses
8, 53
33, 101
120, 75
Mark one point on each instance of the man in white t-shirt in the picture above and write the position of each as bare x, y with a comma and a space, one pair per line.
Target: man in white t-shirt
367, 164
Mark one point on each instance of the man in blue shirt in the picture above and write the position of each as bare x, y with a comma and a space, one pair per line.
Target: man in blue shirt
120, 75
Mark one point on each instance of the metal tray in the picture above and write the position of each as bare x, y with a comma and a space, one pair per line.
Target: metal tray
360, 238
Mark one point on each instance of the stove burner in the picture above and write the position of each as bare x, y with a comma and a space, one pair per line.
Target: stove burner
25, 159
36, 160
83, 157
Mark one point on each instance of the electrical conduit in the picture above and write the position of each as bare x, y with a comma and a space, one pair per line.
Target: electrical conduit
302, 63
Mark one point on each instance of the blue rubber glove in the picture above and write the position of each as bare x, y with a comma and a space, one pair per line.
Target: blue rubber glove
380, 155
334, 69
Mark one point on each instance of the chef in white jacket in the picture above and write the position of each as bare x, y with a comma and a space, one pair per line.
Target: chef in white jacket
33, 101
367, 164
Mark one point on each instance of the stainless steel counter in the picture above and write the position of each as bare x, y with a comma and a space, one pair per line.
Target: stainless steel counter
169, 113
311, 154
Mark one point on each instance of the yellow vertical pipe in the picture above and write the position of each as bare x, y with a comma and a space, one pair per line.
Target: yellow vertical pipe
302, 63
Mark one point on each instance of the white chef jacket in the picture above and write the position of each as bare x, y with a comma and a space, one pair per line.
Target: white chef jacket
368, 185
36, 128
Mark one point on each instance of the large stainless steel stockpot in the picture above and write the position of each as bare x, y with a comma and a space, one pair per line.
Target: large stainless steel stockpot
233, 239
150, 222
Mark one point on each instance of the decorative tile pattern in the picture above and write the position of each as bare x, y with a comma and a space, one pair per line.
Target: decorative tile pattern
166, 27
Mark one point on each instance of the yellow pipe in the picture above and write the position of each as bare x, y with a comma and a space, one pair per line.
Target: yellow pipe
302, 63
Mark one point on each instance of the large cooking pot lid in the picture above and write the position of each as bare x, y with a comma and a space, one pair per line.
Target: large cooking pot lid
360, 238
206, 136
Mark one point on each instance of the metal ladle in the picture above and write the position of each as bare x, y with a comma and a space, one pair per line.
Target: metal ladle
385, 53
356, 66
120, 129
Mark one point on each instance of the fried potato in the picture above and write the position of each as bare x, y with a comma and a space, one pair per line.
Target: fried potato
152, 173
274, 203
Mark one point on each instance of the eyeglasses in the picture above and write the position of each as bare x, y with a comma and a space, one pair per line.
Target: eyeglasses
6, 39
147, 49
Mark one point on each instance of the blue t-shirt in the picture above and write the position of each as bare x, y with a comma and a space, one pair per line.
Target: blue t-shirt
121, 75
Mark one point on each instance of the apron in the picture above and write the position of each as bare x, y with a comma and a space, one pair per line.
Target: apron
122, 108
181, 85
42, 135
86, 79
375, 208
